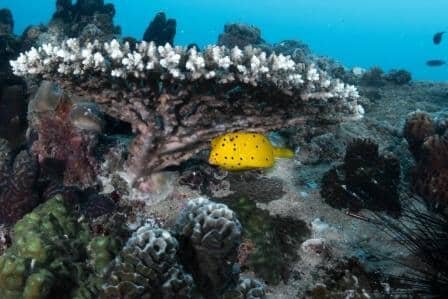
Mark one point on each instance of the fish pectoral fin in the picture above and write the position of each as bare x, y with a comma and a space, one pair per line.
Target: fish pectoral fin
282, 152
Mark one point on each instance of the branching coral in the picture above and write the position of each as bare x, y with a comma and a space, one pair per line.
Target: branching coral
178, 99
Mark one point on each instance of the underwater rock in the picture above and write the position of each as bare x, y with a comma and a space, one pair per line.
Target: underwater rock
298, 50
161, 30
18, 174
13, 107
274, 241
315, 251
373, 77
6, 22
247, 288
147, 268
398, 77
85, 19
366, 180
240, 35
209, 234
348, 279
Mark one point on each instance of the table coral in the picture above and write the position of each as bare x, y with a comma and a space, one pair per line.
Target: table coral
178, 99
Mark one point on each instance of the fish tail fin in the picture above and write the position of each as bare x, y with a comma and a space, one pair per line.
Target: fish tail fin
282, 152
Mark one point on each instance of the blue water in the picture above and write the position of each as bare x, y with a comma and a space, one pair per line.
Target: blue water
386, 33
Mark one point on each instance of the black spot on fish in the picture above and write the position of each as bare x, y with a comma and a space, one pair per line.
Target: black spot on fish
435, 62
225, 157
256, 146
251, 158
437, 38
241, 159
223, 145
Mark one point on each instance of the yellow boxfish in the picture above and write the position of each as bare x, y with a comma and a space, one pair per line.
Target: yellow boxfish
244, 151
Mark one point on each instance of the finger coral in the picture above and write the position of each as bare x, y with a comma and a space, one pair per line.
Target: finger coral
178, 99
